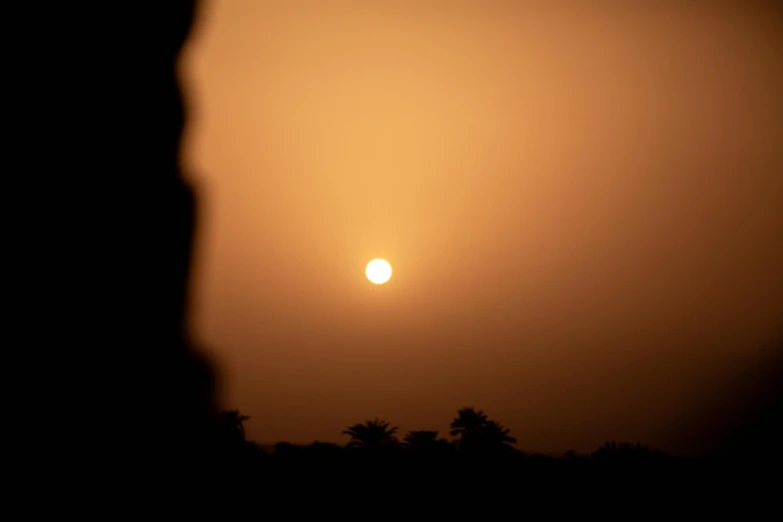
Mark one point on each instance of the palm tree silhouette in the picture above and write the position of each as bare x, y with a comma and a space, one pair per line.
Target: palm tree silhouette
371, 435
494, 435
466, 426
427, 445
467, 422
420, 438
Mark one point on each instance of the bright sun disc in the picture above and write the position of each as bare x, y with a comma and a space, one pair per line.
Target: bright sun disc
378, 271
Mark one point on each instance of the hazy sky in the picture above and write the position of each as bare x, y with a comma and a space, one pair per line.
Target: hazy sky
582, 206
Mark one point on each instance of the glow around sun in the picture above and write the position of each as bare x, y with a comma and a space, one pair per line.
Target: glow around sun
378, 271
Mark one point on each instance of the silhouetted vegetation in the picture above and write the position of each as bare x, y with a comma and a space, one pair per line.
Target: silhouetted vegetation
371, 436
480, 455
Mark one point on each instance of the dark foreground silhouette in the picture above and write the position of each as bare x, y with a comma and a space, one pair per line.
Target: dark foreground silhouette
478, 461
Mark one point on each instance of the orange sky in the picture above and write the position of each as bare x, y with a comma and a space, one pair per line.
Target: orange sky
581, 206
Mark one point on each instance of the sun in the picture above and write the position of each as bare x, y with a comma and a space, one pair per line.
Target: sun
378, 271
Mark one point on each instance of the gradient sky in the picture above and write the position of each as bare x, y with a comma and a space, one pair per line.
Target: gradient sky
582, 206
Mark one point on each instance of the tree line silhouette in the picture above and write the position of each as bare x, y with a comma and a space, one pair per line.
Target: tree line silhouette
474, 438
477, 459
